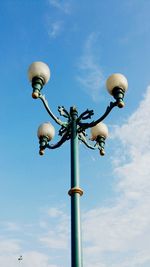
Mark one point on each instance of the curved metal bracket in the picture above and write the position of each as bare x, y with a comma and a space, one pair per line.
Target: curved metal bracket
83, 126
57, 120
83, 139
60, 142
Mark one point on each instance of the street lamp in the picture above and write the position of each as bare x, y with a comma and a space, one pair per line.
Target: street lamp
74, 129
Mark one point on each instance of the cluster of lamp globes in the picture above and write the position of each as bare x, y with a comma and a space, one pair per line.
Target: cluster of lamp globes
116, 85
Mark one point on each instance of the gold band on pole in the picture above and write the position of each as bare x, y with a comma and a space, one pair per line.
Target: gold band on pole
75, 190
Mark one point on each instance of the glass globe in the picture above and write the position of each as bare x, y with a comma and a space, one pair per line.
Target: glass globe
99, 130
116, 80
46, 129
39, 69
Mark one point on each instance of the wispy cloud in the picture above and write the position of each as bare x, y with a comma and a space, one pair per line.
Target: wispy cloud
58, 238
9, 246
120, 233
15, 240
55, 212
90, 73
55, 28
37, 259
10, 226
10, 251
55, 23
64, 5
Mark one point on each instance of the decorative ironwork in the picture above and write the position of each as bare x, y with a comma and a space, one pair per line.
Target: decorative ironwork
86, 115
83, 126
65, 130
63, 112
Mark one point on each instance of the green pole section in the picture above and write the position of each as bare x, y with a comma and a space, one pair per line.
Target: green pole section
75, 193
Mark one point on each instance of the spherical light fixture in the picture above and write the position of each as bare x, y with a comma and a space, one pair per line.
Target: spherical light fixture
116, 80
39, 69
45, 133
46, 130
99, 130
117, 85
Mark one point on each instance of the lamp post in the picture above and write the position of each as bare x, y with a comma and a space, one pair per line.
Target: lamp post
74, 129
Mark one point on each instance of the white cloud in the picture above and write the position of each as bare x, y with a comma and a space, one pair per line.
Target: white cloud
64, 6
29, 258
90, 73
55, 240
54, 212
58, 237
55, 24
10, 226
136, 129
11, 248
9, 251
55, 28
36, 259
50, 234
119, 234
8, 246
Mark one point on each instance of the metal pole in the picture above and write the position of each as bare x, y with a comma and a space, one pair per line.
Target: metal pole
75, 192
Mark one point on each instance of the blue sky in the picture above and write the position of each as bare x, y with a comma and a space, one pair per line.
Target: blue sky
83, 42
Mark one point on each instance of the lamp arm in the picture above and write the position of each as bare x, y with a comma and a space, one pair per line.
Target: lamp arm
84, 126
83, 139
65, 137
57, 120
